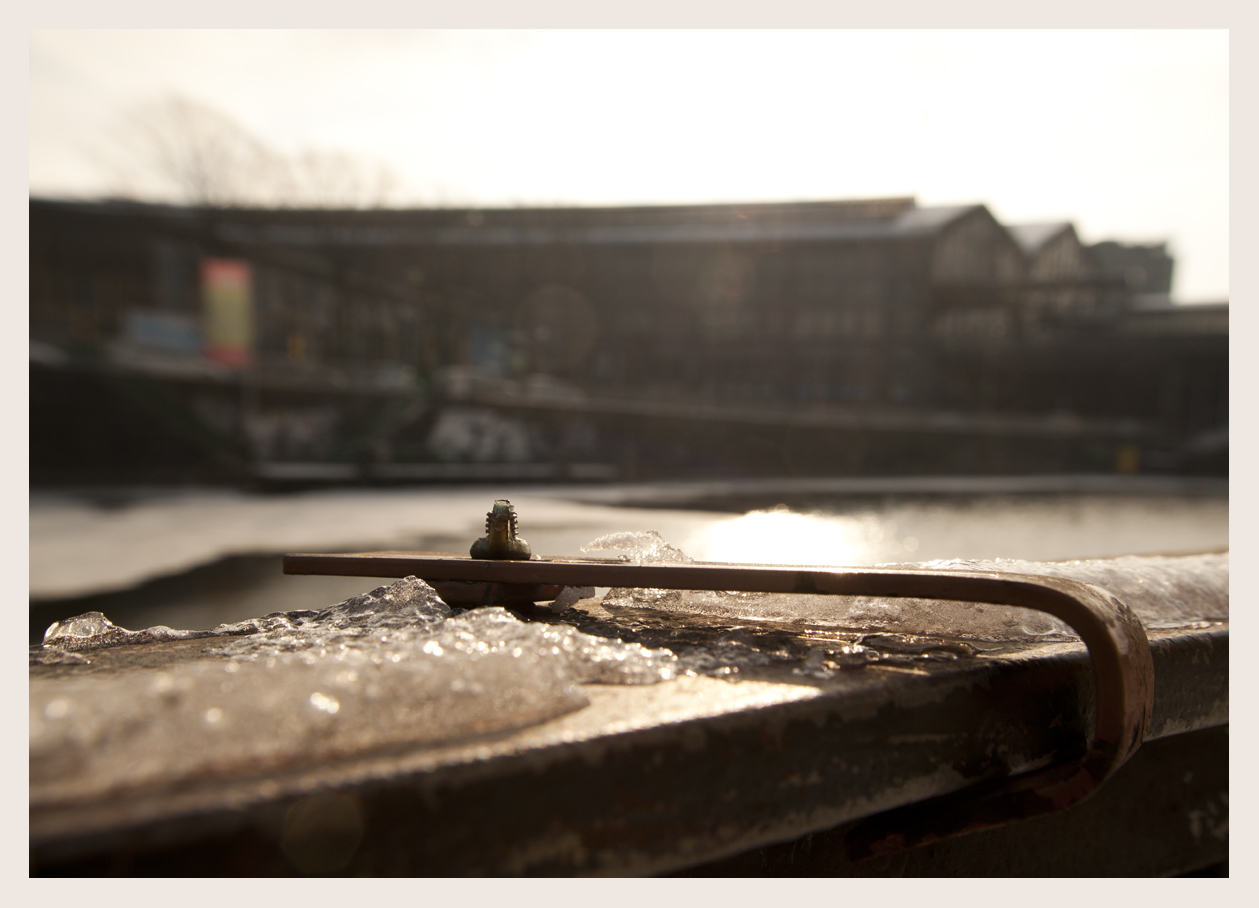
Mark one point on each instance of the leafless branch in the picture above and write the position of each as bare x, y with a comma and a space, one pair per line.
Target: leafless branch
185, 151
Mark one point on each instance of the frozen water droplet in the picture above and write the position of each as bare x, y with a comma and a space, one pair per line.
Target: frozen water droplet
89, 624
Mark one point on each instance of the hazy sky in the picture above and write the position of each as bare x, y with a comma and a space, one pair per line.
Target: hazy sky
1123, 133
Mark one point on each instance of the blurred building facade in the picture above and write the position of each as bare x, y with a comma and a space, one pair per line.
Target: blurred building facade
873, 336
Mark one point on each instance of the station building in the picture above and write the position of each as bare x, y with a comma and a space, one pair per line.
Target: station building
868, 305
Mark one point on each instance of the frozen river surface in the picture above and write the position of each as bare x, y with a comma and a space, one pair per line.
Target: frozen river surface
85, 547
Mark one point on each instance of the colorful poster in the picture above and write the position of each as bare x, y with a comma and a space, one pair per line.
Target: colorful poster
227, 310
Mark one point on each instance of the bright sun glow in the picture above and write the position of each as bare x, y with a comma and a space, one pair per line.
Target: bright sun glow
783, 537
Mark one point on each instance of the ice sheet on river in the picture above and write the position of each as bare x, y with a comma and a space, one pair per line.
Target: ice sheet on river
394, 666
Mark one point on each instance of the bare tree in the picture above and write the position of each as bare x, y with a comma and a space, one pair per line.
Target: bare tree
334, 179
184, 151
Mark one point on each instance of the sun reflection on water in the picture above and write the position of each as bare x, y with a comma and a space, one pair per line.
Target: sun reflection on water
780, 536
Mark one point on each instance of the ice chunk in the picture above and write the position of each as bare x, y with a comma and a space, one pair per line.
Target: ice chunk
643, 548
1164, 592
392, 624
589, 659
409, 621
408, 598
81, 628
393, 666
570, 596
93, 629
96, 733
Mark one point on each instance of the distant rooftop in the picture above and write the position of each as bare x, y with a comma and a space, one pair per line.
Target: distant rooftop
1032, 237
719, 223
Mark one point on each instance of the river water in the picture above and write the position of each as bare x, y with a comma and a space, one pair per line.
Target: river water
198, 558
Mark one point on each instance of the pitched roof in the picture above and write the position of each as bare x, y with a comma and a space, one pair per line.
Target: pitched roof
1032, 237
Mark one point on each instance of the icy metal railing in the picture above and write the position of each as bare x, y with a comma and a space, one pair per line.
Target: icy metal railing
1117, 645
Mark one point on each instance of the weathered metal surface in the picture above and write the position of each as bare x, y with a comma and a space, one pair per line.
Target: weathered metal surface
1164, 813
1116, 641
643, 780
915, 738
